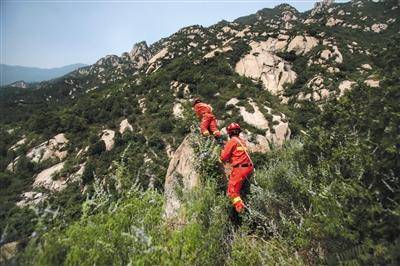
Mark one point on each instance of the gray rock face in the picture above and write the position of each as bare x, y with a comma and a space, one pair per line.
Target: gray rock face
264, 65
320, 6
51, 149
140, 54
181, 174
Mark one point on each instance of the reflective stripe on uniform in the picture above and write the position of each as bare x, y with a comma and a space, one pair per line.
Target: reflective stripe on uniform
206, 133
236, 200
240, 148
216, 132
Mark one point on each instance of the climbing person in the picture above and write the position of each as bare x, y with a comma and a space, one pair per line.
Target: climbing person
236, 153
208, 122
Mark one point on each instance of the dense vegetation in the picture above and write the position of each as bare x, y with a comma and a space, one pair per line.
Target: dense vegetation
329, 196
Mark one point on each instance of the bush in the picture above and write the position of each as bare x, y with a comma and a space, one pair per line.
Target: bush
97, 148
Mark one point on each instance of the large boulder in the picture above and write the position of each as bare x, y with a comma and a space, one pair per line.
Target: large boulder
277, 130
302, 44
344, 86
378, 27
45, 178
181, 175
256, 118
262, 64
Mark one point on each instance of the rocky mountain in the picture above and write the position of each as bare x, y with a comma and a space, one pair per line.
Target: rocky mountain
316, 94
20, 84
12, 74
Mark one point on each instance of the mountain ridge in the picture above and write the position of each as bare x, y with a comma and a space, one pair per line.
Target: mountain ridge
13, 73
316, 95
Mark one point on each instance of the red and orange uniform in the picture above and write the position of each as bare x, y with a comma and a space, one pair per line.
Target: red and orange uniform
208, 121
236, 153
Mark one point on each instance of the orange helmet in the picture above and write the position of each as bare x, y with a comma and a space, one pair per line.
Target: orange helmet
233, 128
196, 100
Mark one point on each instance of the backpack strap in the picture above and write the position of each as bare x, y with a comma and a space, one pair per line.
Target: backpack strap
244, 149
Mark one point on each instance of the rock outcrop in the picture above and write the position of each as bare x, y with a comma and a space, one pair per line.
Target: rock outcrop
154, 61
277, 130
256, 118
108, 137
344, 86
261, 64
45, 178
177, 110
216, 51
140, 54
333, 21
31, 198
320, 6
18, 144
124, 126
182, 174
51, 149
373, 83
378, 27
318, 90
302, 44
180, 88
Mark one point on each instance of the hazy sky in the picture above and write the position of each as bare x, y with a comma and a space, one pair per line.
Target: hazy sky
55, 33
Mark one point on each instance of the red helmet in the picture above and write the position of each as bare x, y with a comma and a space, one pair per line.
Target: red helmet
233, 127
196, 100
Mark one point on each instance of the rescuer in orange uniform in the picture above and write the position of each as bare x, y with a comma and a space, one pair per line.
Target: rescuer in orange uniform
208, 122
235, 152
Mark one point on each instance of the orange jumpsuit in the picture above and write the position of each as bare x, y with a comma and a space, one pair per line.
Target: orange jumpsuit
208, 122
235, 152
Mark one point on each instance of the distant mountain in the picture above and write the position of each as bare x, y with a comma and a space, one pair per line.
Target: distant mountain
10, 74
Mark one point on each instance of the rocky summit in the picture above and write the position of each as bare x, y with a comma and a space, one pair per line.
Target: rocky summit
106, 165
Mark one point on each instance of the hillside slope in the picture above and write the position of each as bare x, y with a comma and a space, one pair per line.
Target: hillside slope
88, 154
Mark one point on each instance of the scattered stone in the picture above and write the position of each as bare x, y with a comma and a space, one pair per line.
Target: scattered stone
332, 22
372, 83
378, 27
177, 110
345, 86
366, 66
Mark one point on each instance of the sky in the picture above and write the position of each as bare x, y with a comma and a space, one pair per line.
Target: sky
48, 33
